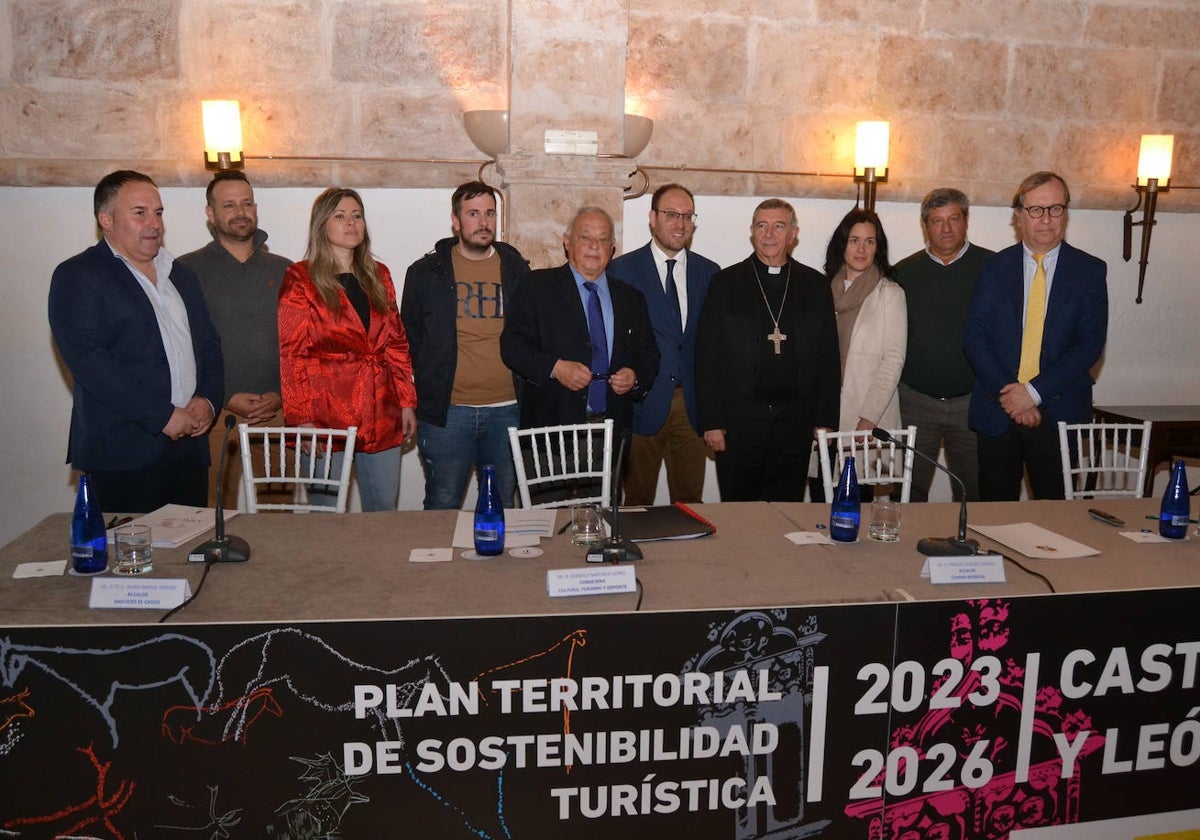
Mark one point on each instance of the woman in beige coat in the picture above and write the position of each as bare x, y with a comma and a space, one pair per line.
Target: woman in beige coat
872, 324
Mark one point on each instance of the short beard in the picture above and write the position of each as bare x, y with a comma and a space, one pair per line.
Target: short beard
234, 236
472, 248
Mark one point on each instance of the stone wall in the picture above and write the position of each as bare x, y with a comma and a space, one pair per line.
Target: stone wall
978, 93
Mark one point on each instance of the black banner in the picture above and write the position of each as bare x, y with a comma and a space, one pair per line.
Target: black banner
916, 721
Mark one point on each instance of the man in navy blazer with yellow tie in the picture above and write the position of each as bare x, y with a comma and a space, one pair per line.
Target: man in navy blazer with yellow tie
674, 280
132, 327
1037, 325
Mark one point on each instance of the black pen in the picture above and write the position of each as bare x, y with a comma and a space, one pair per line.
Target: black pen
115, 521
1191, 521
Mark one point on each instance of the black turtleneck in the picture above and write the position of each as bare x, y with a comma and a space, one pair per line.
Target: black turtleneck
358, 298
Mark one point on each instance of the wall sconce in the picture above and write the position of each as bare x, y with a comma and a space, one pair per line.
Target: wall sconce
222, 120
871, 157
1153, 177
638, 131
488, 130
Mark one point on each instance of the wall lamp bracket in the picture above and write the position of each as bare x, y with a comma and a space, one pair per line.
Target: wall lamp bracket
869, 179
1148, 202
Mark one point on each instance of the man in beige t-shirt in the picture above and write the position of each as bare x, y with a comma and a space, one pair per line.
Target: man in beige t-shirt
453, 313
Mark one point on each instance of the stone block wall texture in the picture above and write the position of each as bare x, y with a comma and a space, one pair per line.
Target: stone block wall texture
979, 93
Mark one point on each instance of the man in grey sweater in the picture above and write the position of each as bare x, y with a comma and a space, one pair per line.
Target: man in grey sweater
240, 279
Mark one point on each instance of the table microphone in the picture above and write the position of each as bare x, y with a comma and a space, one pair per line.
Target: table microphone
939, 546
223, 548
615, 549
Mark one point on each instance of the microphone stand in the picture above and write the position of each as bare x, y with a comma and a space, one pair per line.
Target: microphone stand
615, 549
959, 546
223, 548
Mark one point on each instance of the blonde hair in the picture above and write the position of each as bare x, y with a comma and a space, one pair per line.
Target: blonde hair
323, 268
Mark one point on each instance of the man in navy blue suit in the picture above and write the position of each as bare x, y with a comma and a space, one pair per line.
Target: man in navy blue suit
1037, 325
674, 280
131, 325
580, 341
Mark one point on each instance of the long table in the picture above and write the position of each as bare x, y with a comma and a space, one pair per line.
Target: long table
355, 566
330, 687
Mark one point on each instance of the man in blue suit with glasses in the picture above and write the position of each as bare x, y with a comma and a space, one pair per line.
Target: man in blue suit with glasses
1036, 327
674, 280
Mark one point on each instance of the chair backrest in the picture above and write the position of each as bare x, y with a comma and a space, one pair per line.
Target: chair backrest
875, 462
572, 463
284, 465
1098, 459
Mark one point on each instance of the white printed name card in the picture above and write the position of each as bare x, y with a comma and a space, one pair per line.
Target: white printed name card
148, 594
606, 580
974, 568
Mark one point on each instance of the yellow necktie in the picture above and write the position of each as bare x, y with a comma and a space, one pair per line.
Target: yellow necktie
1035, 319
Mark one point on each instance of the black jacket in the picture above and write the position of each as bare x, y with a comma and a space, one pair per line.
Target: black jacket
546, 322
427, 309
731, 337
107, 334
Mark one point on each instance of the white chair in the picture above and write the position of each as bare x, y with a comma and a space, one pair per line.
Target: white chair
563, 460
875, 462
283, 465
1105, 463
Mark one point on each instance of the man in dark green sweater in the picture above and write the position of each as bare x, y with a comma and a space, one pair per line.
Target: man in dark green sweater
935, 386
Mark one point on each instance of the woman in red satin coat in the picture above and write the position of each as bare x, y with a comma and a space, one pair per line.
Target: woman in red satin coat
343, 355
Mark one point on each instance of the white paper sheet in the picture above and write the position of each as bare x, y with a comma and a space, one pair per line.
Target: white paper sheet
464, 532
46, 568
809, 538
1144, 537
430, 555
537, 521
173, 525
1034, 541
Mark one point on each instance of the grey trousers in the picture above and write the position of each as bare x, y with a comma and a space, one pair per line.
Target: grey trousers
939, 421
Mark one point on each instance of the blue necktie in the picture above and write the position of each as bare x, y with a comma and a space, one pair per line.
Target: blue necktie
673, 294
598, 390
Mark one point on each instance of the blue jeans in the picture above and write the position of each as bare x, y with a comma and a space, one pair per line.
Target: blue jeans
471, 438
378, 475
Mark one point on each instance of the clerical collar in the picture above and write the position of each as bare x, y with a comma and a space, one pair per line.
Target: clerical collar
763, 268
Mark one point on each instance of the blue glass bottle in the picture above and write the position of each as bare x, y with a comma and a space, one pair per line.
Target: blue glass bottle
89, 543
1176, 504
845, 511
489, 516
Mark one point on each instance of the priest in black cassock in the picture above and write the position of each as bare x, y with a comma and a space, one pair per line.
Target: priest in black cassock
768, 374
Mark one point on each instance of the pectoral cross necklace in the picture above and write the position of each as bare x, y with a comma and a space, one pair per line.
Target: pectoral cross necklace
775, 336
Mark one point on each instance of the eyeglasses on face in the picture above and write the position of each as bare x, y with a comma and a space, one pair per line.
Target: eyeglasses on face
1036, 211
672, 216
